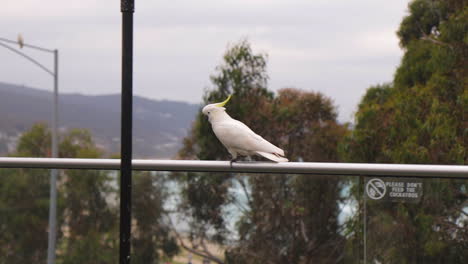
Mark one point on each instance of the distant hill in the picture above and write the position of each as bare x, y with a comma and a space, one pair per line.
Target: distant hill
158, 126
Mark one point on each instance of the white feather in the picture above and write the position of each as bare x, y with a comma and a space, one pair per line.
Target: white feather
239, 138
272, 157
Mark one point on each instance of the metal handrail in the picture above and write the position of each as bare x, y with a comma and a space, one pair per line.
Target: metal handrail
354, 169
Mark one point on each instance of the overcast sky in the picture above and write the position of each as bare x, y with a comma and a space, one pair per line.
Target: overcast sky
337, 47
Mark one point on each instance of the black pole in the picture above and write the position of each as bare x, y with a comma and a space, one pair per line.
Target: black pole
127, 9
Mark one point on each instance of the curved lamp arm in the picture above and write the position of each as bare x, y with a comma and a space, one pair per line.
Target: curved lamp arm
28, 58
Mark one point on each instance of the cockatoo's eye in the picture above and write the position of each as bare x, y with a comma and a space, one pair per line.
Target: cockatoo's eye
208, 112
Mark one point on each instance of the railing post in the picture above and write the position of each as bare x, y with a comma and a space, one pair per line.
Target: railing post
127, 9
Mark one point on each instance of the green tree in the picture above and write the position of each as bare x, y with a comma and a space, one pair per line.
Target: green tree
420, 118
152, 237
278, 222
243, 74
89, 218
24, 211
282, 224
87, 211
35, 142
24, 203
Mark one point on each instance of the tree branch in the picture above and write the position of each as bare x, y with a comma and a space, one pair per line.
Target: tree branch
463, 212
204, 254
435, 41
303, 232
211, 256
244, 188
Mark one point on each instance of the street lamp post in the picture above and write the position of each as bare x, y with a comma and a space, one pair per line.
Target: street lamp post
53, 173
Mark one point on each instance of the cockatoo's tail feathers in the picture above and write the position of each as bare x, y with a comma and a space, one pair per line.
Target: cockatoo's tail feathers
224, 102
272, 156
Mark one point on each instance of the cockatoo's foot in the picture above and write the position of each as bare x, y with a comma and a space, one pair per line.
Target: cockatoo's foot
232, 160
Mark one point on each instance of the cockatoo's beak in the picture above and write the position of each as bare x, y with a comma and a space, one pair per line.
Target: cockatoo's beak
224, 102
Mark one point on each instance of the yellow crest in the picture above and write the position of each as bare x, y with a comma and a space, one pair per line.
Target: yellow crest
224, 102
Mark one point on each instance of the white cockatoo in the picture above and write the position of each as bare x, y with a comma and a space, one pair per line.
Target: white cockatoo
238, 138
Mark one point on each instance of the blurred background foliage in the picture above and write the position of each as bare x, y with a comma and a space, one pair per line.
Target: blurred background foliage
88, 208
419, 118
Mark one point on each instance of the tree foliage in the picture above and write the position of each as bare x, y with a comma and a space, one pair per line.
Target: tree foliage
152, 237
278, 222
244, 75
89, 219
24, 203
87, 208
420, 118
282, 224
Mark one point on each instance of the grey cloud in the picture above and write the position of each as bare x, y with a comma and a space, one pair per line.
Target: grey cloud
336, 47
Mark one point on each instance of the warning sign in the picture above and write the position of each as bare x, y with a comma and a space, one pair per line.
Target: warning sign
394, 189
376, 189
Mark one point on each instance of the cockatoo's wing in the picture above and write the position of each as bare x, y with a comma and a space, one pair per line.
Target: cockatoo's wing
236, 135
272, 156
